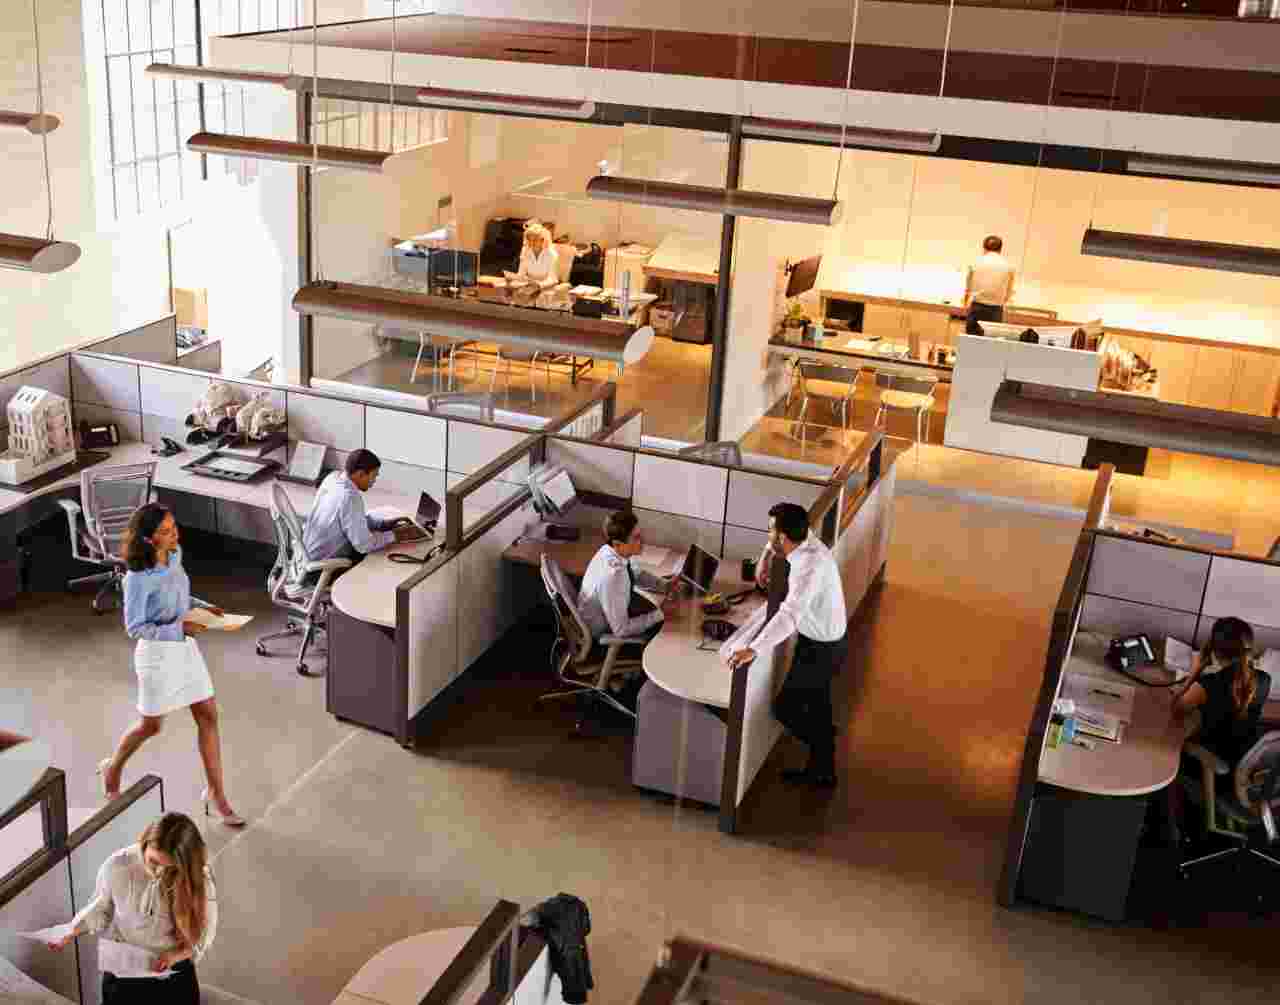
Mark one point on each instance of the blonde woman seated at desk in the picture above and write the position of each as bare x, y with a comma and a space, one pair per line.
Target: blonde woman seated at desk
608, 598
538, 260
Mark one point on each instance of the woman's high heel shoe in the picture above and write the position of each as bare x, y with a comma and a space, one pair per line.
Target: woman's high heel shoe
230, 819
103, 765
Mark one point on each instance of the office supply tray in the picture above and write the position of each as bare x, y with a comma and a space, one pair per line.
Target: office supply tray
237, 467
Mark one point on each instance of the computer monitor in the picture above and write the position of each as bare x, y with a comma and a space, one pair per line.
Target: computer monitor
699, 569
449, 267
803, 276
559, 492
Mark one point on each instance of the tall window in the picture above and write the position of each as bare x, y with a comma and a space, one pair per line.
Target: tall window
149, 120
369, 126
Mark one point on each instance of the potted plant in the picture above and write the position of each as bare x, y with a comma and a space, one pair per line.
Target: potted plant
795, 322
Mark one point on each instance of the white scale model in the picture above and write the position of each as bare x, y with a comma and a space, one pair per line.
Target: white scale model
40, 435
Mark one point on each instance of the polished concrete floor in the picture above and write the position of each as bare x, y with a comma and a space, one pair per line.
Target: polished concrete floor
888, 881
670, 384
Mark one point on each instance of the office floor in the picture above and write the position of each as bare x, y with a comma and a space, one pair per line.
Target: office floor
670, 384
888, 881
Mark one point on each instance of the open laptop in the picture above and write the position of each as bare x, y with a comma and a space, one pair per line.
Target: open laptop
699, 569
427, 517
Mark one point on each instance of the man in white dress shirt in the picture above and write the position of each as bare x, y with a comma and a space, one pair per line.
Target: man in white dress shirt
813, 609
988, 286
607, 600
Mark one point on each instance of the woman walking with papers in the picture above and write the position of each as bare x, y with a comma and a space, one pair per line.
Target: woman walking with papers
158, 612
156, 911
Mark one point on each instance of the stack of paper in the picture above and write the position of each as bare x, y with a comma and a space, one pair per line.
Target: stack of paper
216, 622
1099, 724
1102, 706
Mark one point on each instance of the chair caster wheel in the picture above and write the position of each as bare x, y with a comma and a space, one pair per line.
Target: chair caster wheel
261, 650
99, 611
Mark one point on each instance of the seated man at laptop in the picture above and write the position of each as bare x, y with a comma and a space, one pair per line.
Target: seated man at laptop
339, 527
608, 598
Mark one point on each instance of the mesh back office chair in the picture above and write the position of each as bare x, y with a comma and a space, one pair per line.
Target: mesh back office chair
802, 372
465, 404
574, 647
109, 496
1249, 800
907, 394
716, 451
295, 583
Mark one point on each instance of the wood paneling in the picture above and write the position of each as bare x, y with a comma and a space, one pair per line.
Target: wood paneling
1213, 378
1176, 363
1257, 377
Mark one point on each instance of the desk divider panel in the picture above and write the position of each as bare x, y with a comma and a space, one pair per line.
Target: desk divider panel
595, 467
685, 488
750, 495
104, 390
42, 901
156, 342
410, 438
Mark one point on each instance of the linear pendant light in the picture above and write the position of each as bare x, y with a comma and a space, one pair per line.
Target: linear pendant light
727, 202
259, 148
1200, 169
544, 331
481, 101
174, 71
34, 254
33, 122
1124, 418
822, 132
1180, 251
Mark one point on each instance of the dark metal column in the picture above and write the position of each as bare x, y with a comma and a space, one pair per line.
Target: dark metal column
306, 326
720, 324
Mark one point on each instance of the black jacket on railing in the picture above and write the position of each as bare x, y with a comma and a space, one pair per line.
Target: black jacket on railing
565, 922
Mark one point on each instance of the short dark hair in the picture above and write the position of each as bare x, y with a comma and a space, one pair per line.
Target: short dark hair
792, 519
992, 243
362, 460
137, 550
619, 525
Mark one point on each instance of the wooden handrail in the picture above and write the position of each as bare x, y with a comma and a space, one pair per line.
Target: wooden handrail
866, 454
1100, 500
608, 393
618, 423
487, 941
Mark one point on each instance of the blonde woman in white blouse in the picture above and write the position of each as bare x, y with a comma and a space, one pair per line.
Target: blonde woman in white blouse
538, 258
156, 895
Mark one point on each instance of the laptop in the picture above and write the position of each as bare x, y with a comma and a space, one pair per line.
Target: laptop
699, 569
428, 515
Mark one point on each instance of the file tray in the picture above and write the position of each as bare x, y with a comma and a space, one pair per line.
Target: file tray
230, 466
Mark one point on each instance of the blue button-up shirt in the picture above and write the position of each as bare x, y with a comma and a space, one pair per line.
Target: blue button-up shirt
157, 599
339, 527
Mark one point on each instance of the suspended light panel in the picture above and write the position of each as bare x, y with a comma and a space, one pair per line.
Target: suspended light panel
480, 101
288, 151
216, 75
823, 132
34, 254
33, 122
729, 202
1201, 169
1180, 251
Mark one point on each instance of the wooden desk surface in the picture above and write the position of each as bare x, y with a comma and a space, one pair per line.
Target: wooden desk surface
1147, 758
672, 660
403, 972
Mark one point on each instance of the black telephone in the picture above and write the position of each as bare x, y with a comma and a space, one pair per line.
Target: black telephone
168, 448
1130, 651
718, 629
106, 435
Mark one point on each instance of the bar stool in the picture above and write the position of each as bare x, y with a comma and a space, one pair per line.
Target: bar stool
907, 394
815, 370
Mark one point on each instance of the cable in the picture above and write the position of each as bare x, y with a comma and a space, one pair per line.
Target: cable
855, 7
391, 84
315, 132
44, 133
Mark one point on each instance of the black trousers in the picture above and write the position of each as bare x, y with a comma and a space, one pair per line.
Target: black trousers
981, 312
180, 989
804, 703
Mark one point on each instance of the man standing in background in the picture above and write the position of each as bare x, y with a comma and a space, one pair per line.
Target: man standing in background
988, 286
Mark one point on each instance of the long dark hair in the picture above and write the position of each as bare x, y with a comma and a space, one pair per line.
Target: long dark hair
1230, 644
138, 552
179, 838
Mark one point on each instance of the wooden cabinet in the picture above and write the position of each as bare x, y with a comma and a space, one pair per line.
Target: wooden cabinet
1213, 378
1257, 377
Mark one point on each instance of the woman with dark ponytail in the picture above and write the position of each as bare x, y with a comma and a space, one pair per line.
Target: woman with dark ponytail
1228, 690
171, 672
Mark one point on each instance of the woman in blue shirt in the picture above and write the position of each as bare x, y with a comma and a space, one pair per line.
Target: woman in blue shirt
171, 672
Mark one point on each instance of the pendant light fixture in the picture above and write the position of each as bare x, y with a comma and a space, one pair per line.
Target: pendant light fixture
480, 101
826, 133
33, 254
1181, 251
217, 76
1140, 422
290, 151
1202, 169
34, 123
725, 201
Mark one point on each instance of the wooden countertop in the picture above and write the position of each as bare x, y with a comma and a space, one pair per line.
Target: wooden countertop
1146, 759
689, 258
403, 972
837, 350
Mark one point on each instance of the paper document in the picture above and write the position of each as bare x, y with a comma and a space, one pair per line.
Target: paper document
126, 961
1100, 695
308, 461
48, 935
217, 623
1177, 657
1099, 724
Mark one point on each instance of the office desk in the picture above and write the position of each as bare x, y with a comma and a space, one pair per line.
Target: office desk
724, 752
1088, 811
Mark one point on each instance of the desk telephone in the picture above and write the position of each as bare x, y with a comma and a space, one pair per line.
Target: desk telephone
1129, 651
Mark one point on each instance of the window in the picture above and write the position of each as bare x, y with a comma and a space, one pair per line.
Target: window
364, 125
148, 120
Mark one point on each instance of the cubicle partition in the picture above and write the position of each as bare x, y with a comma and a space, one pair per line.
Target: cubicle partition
59, 879
156, 342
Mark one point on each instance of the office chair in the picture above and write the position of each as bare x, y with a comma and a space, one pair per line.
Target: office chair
295, 583
109, 496
725, 452
465, 404
575, 646
1251, 799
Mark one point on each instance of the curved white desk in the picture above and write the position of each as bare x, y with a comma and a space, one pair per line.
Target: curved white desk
367, 591
403, 972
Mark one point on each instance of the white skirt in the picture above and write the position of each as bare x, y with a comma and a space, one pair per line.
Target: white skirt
171, 675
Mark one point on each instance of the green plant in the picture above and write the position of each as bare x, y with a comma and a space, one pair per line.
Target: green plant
796, 313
